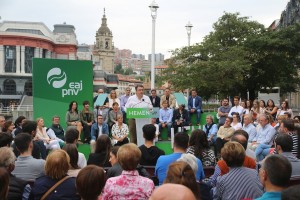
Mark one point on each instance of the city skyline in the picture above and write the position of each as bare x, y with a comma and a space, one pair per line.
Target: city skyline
130, 21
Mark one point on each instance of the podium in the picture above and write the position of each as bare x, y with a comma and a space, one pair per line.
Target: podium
142, 116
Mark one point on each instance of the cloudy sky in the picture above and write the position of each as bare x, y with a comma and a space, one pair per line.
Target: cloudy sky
130, 20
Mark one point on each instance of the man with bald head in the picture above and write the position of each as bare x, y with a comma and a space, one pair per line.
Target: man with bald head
179, 192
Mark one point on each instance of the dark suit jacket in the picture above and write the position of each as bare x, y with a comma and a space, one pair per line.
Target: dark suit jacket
198, 102
157, 101
185, 116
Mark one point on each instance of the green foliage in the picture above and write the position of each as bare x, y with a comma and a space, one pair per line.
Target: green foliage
238, 56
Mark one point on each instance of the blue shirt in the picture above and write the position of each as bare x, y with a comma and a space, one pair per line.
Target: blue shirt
265, 135
163, 163
123, 101
212, 131
165, 115
251, 130
270, 196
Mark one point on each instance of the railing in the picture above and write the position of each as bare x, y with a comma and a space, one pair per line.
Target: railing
8, 110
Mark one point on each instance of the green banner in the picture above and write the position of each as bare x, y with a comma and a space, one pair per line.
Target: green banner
142, 113
58, 82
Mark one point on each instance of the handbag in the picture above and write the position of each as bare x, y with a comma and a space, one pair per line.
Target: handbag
54, 186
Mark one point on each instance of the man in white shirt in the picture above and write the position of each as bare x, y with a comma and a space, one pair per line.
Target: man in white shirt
236, 108
139, 100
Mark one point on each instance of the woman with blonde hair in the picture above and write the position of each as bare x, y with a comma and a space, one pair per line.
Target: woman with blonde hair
112, 98
55, 184
255, 110
180, 172
41, 134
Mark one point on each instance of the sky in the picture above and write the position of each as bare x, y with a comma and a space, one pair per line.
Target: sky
130, 20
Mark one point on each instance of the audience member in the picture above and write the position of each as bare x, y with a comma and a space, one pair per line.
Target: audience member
4, 180
16, 185
90, 181
180, 172
211, 129
71, 137
73, 118
291, 193
41, 134
271, 109
57, 128
240, 182
26, 167
284, 146
103, 111
224, 134
97, 130
39, 149
113, 114
113, 98
265, 133
101, 155
195, 105
55, 184
179, 192
150, 153
123, 100
284, 108
116, 169
199, 147
180, 145
223, 111
2, 121
155, 100
171, 101
274, 174
120, 131
165, 118
5, 139
87, 119
101, 92
72, 151
180, 118
56, 131
18, 125
249, 127
8, 127
129, 185
236, 124
288, 127
236, 108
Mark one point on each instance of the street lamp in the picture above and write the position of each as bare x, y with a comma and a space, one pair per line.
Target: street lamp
153, 8
189, 31
189, 27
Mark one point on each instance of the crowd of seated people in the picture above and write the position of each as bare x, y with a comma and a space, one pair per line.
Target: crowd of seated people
246, 150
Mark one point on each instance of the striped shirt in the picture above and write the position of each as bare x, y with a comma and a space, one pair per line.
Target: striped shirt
295, 143
239, 183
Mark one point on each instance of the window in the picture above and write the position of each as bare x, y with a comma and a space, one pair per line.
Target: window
29, 54
28, 88
10, 58
9, 86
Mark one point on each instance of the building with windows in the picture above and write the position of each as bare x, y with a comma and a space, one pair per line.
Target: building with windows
22, 41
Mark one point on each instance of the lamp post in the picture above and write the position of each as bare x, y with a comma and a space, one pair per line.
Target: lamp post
189, 27
153, 8
189, 31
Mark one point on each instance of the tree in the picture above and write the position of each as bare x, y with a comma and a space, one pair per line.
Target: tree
119, 69
239, 56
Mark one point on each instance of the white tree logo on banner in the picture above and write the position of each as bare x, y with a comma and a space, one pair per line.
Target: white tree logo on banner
56, 77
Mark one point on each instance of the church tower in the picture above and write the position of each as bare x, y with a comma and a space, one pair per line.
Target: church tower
104, 50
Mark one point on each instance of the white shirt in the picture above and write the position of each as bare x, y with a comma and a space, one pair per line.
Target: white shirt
238, 109
81, 160
135, 102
